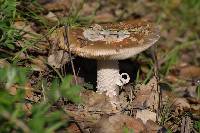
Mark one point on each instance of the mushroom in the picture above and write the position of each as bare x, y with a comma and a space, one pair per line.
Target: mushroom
108, 43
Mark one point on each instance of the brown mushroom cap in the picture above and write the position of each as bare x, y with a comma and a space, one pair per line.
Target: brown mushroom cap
111, 41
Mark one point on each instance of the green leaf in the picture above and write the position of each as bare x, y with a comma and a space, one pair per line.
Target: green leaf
53, 93
69, 91
64, 89
37, 122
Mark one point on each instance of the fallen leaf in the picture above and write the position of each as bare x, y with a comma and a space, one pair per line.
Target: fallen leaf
57, 5
147, 96
58, 58
186, 125
28, 91
3, 63
26, 29
146, 115
195, 109
73, 128
185, 91
27, 107
104, 17
171, 78
38, 64
89, 8
95, 102
13, 89
189, 72
118, 123
167, 97
51, 16
180, 104
152, 127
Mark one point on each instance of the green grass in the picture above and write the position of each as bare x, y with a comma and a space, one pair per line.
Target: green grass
183, 16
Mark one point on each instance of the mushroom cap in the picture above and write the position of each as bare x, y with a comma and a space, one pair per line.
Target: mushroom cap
115, 41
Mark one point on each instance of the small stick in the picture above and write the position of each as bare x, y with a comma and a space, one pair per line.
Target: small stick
156, 67
7, 52
66, 41
77, 124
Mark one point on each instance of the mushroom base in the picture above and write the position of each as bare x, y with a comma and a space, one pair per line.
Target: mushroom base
108, 79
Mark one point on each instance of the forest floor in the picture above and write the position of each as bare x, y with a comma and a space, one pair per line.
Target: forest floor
40, 93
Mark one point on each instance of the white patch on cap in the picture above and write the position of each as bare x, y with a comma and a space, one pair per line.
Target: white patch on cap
97, 33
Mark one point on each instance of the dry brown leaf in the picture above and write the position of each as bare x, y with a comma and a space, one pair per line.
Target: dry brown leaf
88, 8
97, 102
168, 97
186, 125
171, 78
28, 91
147, 96
180, 104
26, 29
27, 107
146, 115
57, 5
152, 127
117, 123
58, 58
73, 128
13, 89
189, 91
41, 47
32, 96
104, 17
3, 63
195, 109
38, 64
190, 72
52, 17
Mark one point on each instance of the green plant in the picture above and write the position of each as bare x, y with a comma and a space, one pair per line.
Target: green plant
169, 131
65, 89
197, 126
13, 117
127, 130
7, 16
165, 114
172, 56
198, 91
181, 13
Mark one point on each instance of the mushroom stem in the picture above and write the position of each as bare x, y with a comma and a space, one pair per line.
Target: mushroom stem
109, 79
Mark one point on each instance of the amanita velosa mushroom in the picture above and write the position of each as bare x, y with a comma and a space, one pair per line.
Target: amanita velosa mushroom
108, 43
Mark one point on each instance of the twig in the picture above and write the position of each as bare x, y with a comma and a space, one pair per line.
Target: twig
7, 52
77, 124
185, 124
66, 41
43, 92
57, 72
156, 68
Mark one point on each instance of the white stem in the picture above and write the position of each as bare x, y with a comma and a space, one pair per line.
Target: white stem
109, 79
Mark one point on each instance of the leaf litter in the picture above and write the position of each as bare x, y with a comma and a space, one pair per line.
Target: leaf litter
139, 111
